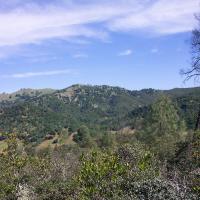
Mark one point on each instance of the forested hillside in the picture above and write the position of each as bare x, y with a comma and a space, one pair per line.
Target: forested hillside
32, 114
157, 159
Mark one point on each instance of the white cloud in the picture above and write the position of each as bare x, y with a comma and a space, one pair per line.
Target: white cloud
34, 24
127, 52
31, 22
80, 55
160, 17
35, 74
154, 50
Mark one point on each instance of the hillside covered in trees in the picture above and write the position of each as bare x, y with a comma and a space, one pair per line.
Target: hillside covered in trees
153, 153
33, 114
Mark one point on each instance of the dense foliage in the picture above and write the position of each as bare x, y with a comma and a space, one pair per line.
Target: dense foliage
35, 114
126, 171
100, 143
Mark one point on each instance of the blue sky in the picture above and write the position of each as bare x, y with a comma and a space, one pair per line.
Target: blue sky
129, 43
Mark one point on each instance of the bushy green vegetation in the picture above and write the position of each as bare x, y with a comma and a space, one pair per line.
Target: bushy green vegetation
83, 137
125, 171
33, 115
122, 145
162, 128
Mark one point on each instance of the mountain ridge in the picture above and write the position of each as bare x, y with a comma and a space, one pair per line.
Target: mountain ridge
35, 114
89, 85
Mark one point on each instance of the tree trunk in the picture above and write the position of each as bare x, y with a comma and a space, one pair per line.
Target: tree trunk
197, 126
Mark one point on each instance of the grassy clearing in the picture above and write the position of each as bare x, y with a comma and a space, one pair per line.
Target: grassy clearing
63, 139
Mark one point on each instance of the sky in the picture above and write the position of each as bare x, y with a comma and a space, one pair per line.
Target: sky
128, 43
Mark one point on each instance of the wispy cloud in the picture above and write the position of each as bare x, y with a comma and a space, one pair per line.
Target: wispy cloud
154, 50
160, 17
35, 74
80, 55
127, 52
33, 21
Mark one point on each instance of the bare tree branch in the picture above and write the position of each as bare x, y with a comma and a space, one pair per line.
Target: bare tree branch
194, 70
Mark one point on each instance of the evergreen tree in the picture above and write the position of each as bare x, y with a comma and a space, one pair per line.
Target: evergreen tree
161, 129
107, 140
83, 137
164, 117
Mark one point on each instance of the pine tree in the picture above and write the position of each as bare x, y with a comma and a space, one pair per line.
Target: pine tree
164, 117
162, 127
83, 137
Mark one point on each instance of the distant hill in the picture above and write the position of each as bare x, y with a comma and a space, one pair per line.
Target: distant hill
36, 113
23, 94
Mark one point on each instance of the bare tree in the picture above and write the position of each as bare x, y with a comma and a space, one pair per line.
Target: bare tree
194, 70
